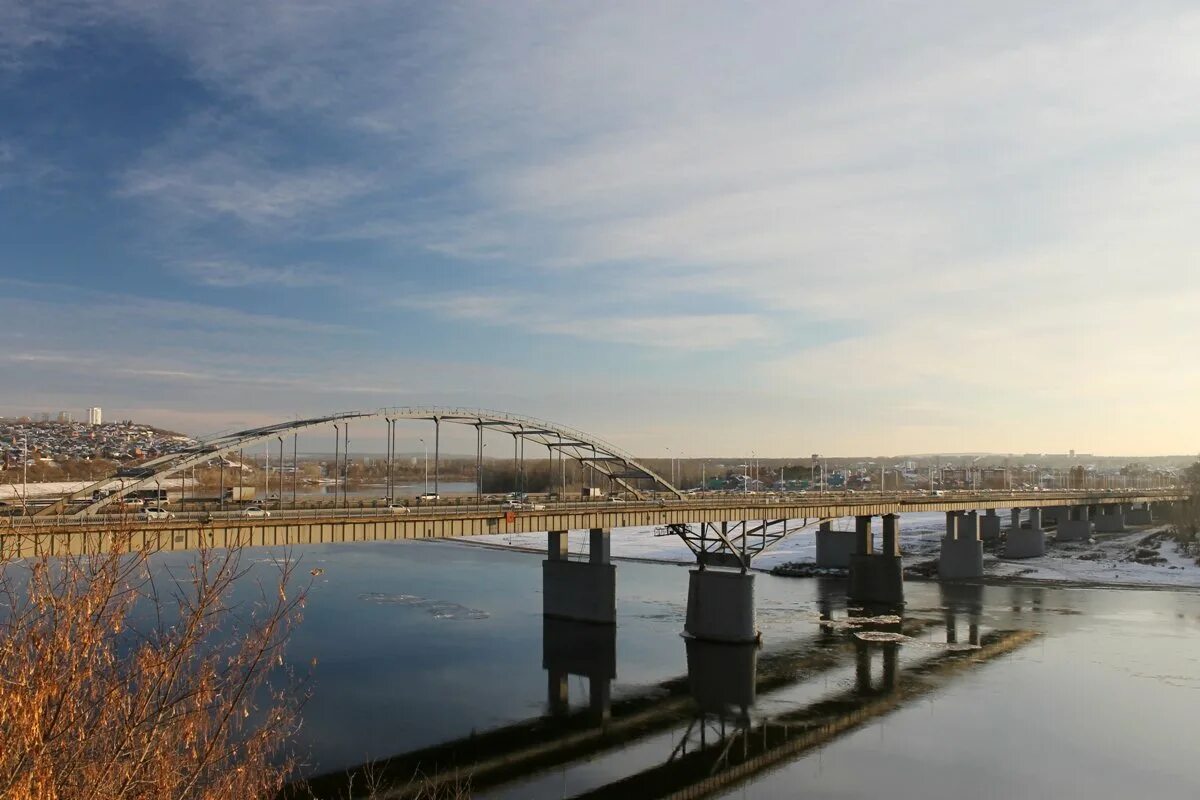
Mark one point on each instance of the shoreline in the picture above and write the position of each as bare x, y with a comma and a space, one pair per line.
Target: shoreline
1071, 565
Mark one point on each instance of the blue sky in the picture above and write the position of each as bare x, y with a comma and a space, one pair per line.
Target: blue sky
788, 228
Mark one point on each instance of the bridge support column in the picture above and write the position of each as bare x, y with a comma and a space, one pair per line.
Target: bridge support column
834, 547
1160, 512
720, 606
556, 546
1111, 521
864, 536
962, 552
878, 578
599, 546
1027, 543
989, 526
1014, 523
1075, 530
1139, 516
968, 525
1054, 515
584, 591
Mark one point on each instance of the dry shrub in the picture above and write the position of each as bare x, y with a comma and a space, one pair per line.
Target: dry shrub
111, 687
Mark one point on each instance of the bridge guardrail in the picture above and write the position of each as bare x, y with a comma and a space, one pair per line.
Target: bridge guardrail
445, 510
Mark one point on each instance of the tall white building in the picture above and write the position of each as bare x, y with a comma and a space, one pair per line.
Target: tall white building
94, 416
65, 416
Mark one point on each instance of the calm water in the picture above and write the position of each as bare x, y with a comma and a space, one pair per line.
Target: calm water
984, 691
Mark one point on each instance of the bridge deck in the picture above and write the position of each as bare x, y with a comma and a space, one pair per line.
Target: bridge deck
318, 526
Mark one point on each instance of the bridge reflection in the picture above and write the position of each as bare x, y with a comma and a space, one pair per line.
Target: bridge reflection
721, 736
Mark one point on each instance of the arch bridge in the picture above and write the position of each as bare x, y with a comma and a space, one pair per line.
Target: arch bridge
606, 461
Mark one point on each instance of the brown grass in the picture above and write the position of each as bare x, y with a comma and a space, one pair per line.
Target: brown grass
112, 687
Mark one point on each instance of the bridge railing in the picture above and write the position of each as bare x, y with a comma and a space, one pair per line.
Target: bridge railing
767, 502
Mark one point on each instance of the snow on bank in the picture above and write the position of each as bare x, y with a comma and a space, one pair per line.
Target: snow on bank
920, 535
1137, 558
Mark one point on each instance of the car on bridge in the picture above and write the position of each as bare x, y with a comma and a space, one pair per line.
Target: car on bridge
151, 513
395, 509
428, 497
255, 511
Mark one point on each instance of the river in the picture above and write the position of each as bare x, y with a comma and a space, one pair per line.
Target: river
978, 691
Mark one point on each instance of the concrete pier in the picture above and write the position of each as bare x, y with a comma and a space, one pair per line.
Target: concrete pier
968, 525
1027, 543
583, 591
1076, 529
864, 536
1055, 515
989, 526
720, 606
878, 578
1014, 522
1111, 521
1139, 516
962, 553
834, 548
599, 547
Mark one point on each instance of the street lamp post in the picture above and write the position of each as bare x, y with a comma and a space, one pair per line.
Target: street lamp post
422, 441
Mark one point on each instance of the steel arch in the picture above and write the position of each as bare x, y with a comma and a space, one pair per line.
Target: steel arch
606, 459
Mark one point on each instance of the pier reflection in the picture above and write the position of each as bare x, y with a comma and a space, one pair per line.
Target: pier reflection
583, 649
719, 737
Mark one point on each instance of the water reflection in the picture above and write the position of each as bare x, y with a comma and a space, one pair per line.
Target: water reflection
962, 601
583, 649
712, 716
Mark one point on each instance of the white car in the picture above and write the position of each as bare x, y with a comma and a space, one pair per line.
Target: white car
255, 511
155, 513
428, 497
536, 506
395, 509
512, 505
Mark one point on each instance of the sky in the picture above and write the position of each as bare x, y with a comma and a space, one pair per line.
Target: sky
692, 228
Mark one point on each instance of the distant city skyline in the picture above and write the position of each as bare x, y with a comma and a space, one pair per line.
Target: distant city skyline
689, 228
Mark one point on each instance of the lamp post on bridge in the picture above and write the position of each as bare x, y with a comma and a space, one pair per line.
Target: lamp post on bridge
25, 474
422, 441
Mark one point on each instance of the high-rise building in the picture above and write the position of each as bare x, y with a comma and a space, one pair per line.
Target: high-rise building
94, 416
65, 416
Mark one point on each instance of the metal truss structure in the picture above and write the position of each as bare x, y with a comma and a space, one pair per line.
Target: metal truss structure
731, 544
605, 461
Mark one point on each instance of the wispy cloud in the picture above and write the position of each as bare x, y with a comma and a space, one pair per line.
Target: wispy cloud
234, 274
19, 168
956, 189
23, 32
554, 316
112, 311
240, 187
